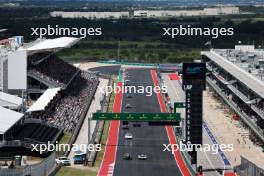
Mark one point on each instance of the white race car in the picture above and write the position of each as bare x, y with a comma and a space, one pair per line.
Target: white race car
63, 161
142, 157
128, 136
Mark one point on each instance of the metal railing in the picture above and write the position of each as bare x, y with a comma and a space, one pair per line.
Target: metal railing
98, 130
236, 109
40, 169
247, 168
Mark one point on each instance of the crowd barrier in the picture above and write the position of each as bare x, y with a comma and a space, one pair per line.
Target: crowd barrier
247, 168
41, 169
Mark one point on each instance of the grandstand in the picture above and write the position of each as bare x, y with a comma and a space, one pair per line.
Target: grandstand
16, 131
44, 67
36, 132
65, 108
237, 75
46, 70
56, 95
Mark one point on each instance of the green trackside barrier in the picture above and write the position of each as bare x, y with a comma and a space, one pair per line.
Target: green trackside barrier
193, 172
120, 76
128, 63
176, 106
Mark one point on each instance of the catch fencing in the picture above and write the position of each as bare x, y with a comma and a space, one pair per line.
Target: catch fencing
41, 169
247, 168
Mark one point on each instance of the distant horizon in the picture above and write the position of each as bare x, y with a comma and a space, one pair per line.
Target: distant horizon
180, 2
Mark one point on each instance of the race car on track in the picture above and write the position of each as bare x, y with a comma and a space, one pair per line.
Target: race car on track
128, 106
127, 156
142, 157
128, 136
125, 125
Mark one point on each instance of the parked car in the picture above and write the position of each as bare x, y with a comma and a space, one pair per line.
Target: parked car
64, 161
79, 157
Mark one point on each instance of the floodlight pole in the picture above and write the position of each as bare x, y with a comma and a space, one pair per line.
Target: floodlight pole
89, 129
118, 50
89, 138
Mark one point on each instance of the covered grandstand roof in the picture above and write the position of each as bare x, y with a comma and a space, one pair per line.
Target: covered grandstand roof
44, 100
51, 44
8, 119
249, 80
10, 101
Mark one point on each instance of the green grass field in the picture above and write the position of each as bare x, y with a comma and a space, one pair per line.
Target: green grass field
67, 171
130, 51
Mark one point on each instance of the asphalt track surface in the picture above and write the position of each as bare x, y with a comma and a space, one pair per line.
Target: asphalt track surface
147, 139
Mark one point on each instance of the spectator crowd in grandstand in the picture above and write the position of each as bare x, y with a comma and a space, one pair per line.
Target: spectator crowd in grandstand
52, 68
67, 106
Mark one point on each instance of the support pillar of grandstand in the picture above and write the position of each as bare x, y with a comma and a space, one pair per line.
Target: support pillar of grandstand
89, 138
89, 129
9, 135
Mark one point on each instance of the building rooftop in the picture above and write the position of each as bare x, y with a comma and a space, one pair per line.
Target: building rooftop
247, 57
8, 119
44, 100
11, 101
244, 62
50, 44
